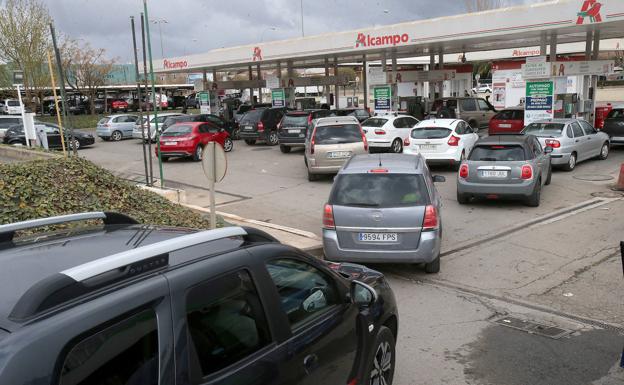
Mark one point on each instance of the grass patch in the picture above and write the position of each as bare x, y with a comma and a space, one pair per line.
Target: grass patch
51, 187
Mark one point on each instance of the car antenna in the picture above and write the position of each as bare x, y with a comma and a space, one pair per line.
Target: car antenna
380, 165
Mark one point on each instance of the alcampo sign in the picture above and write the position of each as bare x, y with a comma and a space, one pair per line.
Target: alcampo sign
374, 41
170, 65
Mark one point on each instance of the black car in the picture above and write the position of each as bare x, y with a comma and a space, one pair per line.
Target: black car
614, 125
125, 303
360, 114
245, 108
192, 101
15, 135
230, 127
261, 124
294, 125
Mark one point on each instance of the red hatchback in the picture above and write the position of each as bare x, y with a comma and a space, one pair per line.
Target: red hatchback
510, 120
119, 105
189, 138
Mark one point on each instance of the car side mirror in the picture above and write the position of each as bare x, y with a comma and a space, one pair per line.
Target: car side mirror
548, 150
439, 179
362, 294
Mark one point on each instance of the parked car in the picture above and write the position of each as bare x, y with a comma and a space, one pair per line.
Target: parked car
360, 114
13, 107
230, 127
572, 141
159, 119
446, 141
507, 121
3, 108
116, 127
125, 303
8, 121
294, 126
476, 111
192, 101
261, 124
188, 140
384, 209
118, 105
98, 106
505, 166
15, 135
387, 132
244, 108
74, 107
332, 142
482, 89
614, 125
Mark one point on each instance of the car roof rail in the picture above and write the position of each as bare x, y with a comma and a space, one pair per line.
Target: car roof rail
7, 232
81, 280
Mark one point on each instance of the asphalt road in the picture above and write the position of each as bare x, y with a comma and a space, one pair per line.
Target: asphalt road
555, 265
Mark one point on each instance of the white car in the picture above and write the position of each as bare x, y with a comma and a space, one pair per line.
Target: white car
441, 140
482, 89
136, 131
387, 132
13, 107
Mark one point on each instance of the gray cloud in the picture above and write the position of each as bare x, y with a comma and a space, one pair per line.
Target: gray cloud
215, 24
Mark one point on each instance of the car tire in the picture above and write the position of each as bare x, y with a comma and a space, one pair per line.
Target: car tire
433, 267
549, 177
312, 177
457, 165
250, 142
284, 149
228, 145
571, 162
116, 136
272, 138
604, 151
164, 158
74, 144
382, 359
534, 199
197, 154
236, 134
462, 199
397, 146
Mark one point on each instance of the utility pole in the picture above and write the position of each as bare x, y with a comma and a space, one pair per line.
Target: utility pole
149, 126
59, 64
302, 30
136, 67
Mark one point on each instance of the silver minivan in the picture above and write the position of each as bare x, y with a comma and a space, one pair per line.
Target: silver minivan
384, 209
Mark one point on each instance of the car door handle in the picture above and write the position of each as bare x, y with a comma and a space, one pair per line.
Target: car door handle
578, 140
588, 138
310, 363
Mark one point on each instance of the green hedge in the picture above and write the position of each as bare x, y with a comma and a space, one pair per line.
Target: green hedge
43, 188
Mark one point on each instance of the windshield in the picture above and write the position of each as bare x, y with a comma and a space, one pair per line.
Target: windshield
617, 113
338, 134
374, 122
510, 115
244, 108
430, 132
501, 153
13, 103
295, 121
544, 129
178, 130
379, 190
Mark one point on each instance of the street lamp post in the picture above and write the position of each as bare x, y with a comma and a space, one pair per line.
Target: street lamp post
159, 22
302, 31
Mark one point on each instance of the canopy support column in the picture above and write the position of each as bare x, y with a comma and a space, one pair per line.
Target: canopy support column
336, 96
251, 93
259, 74
365, 81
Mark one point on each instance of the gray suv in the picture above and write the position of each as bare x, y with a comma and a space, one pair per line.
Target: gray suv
384, 209
476, 111
125, 303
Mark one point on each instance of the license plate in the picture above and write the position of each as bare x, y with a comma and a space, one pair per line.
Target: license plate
248, 128
338, 154
294, 131
504, 125
427, 146
494, 174
378, 237
170, 143
617, 138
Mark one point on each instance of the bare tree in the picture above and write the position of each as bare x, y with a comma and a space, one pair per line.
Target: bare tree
24, 42
484, 5
86, 69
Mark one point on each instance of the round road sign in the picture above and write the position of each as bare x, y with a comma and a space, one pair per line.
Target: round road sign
214, 162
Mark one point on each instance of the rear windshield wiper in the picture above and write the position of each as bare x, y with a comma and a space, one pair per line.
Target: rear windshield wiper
363, 204
488, 159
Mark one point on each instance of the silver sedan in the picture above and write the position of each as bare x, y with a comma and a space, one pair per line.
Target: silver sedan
572, 141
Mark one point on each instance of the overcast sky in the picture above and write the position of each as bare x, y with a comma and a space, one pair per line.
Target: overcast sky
195, 26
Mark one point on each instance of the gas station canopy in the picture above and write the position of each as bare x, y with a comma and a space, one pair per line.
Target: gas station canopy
561, 21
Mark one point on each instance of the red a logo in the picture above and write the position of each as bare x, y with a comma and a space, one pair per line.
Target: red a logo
591, 9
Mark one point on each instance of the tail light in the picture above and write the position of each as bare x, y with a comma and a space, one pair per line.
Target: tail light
379, 171
328, 217
431, 219
406, 142
364, 139
379, 131
453, 141
279, 126
553, 143
527, 172
312, 140
463, 171
260, 126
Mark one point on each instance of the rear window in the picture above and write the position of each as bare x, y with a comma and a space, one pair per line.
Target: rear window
617, 113
544, 129
510, 115
295, 121
430, 133
374, 122
244, 108
379, 190
337, 134
13, 103
501, 153
252, 116
103, 121
178, 130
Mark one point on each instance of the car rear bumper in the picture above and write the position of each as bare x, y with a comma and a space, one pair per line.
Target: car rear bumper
433, 157
523, 189
379, 143
249, 135
103, 132
324, 169
557, 159
428, 250
291, 142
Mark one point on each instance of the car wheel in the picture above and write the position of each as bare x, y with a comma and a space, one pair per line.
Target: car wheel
74, 145
228, 145
604, 151
571, 162
462, 199
284, 149
164, 158
312, 177
433, 266
462, 158
397, 146
250, 142
380, 367
197, 155
272, 139
116, 136
549, 177
236, 134
534, 199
